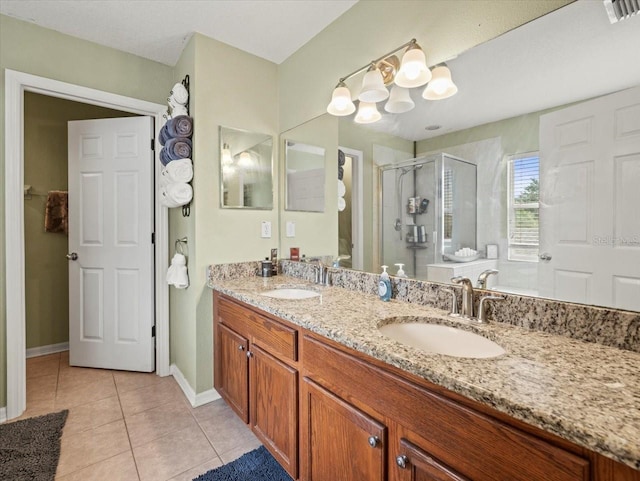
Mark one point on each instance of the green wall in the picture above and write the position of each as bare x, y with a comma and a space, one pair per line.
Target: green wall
28, 48
45, 169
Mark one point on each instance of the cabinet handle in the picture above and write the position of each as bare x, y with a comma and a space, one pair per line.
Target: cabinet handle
240, 347
402, 461
374, 441
249, 354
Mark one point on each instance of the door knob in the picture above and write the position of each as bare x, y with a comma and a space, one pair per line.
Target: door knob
545, 256
72, 257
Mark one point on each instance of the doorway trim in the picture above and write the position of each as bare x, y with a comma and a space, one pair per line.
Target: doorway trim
16, 83
357, 206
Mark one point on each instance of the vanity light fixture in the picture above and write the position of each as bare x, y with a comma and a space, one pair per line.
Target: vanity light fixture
245, 161
226, 155
410, 73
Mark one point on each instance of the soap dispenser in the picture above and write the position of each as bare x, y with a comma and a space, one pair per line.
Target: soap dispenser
384, 286
400, 272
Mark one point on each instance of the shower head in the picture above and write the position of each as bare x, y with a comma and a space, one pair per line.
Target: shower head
405, 170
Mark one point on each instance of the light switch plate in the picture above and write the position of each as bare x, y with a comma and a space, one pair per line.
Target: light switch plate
291, 229
265, 229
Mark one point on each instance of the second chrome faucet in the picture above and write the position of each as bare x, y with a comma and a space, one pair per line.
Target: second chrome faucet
467, 311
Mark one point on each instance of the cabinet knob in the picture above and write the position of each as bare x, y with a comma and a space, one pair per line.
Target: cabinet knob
402, 461
374, 441
249, 354
240, 347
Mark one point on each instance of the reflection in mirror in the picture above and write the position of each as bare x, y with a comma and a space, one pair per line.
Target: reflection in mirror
553, 229
246, 169
305, 167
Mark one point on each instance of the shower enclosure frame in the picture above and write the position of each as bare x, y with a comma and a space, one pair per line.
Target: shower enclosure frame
437, 204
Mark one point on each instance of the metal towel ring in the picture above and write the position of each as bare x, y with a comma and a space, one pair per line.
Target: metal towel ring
180, 246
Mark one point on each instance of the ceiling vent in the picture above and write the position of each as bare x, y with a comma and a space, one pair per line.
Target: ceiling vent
621, 9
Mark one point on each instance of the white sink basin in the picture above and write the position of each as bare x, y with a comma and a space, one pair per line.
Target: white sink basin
290, 293
441, 339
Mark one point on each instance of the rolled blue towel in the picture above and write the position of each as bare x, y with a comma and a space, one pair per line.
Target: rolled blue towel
164, 156
178, 148
164, 135
180, 126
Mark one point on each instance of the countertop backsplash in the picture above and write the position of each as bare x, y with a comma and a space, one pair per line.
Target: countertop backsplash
609, 327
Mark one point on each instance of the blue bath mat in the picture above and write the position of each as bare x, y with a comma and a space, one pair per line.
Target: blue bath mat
256, 465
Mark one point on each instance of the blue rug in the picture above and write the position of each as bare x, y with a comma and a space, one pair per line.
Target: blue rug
256, 465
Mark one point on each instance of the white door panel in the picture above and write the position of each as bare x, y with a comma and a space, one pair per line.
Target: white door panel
589, 201
110, 226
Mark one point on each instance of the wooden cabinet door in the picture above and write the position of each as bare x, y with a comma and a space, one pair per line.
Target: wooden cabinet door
343, 443
274, 407
233, 384
416, 464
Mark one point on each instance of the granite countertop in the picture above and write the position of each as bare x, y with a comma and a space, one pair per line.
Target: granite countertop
584, 392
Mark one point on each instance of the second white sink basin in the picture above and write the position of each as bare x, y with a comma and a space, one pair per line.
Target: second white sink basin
441, 339
290, 293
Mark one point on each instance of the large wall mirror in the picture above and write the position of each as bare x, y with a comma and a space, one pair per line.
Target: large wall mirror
565, 226
304, 183
246, 169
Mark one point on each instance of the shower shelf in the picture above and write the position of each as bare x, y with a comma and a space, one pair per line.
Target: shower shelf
413, 246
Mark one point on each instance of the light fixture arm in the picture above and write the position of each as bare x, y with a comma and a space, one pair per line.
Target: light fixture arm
410, 43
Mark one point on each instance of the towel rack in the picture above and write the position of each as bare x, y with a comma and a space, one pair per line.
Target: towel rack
179, 245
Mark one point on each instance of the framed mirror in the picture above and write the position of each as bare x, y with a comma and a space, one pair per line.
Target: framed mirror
246, 169
305, 174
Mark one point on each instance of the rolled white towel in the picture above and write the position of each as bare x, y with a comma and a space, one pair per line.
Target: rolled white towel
177, 111
180, 170
180, 94
177, 274
176, 194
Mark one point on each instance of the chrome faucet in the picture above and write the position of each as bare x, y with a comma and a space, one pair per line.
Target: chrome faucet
467, 295
322, 273
482, 278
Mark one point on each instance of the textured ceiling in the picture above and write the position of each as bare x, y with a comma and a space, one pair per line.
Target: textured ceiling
159, 29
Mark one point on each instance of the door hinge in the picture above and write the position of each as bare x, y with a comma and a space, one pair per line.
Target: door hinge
153, 237
153, 144
153, 331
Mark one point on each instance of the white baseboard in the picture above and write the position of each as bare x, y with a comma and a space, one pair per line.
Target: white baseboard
195, 399
44, 350
3, 415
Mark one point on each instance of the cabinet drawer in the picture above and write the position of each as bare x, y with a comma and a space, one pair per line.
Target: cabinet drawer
478, 446
271, 335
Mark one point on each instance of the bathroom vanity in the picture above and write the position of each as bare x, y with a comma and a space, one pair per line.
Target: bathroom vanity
316, 381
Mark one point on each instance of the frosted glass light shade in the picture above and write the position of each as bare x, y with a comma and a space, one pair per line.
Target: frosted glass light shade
441, 86
399, 101
245, 160
367, 113
341, 103
373, 89
413, 69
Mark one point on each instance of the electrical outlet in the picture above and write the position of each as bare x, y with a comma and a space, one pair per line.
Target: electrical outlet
265, 229
291, 229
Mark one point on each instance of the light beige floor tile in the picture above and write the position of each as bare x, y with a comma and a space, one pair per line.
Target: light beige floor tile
128, 381
64, 359
235, 453
214, 409
85, 393
159, 421
198, 470
118, 468
227, 433
173, 454
74, 377
148, 397
43, 365
89, 447
37, 408
42, 388
93, 414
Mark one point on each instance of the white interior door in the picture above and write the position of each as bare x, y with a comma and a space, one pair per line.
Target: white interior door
111, 284
590, 201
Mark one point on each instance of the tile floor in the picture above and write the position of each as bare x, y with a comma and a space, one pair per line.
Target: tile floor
125, 426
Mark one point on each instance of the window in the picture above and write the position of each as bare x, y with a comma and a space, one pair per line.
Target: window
523, 207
